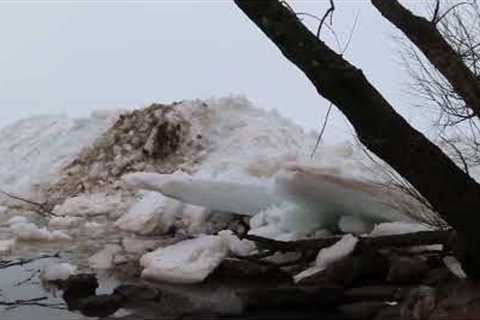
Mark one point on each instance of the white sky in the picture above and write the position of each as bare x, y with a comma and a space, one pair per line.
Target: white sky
76, 56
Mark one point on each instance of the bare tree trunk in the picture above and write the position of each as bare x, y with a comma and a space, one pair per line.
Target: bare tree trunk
427, 38
453, 193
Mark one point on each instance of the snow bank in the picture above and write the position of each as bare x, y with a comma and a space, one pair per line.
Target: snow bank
58, 271
3, 210
40, 146
327, 256
189, 261
30, 232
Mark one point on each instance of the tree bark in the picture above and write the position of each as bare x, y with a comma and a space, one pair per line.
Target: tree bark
428, 39
454, 194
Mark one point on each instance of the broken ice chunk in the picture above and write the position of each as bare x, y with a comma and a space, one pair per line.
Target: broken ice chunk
57, 271
153, 213
216, 195
323, 192
189, 261
329, 255
31, 232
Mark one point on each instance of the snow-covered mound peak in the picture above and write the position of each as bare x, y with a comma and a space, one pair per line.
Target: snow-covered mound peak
34, 150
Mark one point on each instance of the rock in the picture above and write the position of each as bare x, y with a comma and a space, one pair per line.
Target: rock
389, 313
84, 282
419, 303
243, 269
457, 300
372, 293
438, 276
291, 297
138, 293
365, 267
362, 310
407, 270
101, 305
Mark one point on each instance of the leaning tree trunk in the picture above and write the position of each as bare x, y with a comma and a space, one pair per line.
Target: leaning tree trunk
454, 194
427, 38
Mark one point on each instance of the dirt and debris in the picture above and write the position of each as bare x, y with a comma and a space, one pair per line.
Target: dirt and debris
154, 139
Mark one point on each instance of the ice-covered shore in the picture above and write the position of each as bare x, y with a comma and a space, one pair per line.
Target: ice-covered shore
205, 165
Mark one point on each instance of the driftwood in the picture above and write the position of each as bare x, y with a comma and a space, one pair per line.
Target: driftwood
421, 238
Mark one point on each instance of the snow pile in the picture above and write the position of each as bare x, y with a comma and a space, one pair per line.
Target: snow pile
39, 147
157, 138
58, 271
27, 231
327, 256
201, 164
189, 261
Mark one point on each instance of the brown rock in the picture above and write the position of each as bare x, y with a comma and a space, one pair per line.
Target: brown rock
362, 310
372, 293
407, 270
291, 297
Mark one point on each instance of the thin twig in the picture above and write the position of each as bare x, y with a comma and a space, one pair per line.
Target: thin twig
352, 31
322, 131
449, 10
329, 12
436, 11
458, 152
40, 206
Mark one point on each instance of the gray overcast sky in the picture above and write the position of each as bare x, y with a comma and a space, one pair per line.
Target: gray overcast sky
76, 56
